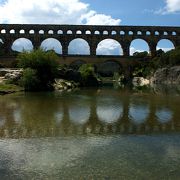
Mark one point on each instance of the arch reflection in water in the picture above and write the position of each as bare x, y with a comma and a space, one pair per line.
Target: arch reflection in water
79, 112
58, 116
109, 110
17, 116
2, 121
164, 115
138, 113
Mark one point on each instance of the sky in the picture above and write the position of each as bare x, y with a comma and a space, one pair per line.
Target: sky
93, 12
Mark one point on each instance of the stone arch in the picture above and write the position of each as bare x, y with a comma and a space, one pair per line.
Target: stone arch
138, 45
12, 31
76, 64
79, 46
148, 33
50, 32
131, 33
156, 33
22, 44
109, 47
174, 33
97, 32
113, 33
78, 32
22, 31
122, 32
88, 32
3, 31
59, 32
69, 32
165, 33
108, 68
41, 31
139, 32
52, 44
105, 32
165, 45
31, 31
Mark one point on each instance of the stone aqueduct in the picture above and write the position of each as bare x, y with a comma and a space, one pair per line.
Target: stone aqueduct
37, 33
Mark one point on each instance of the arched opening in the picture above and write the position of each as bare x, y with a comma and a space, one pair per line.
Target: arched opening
113, 33
109, 68
22, 44
97, 32
139, 33
165, 33
148, 33
105, 33
3, 31
174, 33
22, 31
109, 47
138, 45
1, 47
77, 64
165, 45
130, 33
69, 32
52, 44
79, 46
122, 32
60, 32
156, 33
41, 32
12, 31
88, 32
78, 32
31, 32
50, 32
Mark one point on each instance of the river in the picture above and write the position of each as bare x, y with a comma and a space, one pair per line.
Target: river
103, 133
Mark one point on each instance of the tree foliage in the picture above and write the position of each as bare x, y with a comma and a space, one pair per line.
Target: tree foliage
43, 67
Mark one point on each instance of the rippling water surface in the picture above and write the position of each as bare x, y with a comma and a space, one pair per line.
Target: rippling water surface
90, 134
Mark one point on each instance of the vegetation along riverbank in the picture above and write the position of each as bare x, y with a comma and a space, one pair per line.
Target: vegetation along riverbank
40, 71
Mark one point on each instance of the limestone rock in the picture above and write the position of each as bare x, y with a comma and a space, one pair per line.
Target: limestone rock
167, 76
140, 81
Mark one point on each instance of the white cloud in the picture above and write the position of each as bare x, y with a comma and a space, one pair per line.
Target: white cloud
52, 12
172, 6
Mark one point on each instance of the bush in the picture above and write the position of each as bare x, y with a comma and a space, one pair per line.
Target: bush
87, 70
44, 64
140, 54
30, 80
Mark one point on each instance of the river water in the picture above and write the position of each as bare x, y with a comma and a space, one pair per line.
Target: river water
101, 133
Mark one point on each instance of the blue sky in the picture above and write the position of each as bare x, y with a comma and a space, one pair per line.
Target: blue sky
99, 12
137, 12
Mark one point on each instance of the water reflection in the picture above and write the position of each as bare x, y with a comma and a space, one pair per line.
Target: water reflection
164, 115
79, 112
109, 109
138, 113
89, 112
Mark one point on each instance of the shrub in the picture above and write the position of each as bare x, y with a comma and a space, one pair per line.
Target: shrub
45, 65
87, 70
30, 80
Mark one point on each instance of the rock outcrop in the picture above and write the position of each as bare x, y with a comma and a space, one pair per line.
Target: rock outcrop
166, 76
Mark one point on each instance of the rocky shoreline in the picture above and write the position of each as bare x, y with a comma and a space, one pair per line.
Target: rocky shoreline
69, 79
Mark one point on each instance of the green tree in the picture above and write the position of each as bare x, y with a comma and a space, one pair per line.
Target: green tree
44, 66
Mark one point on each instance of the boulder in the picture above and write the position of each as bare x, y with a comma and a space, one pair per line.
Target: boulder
140, 81
166, 76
